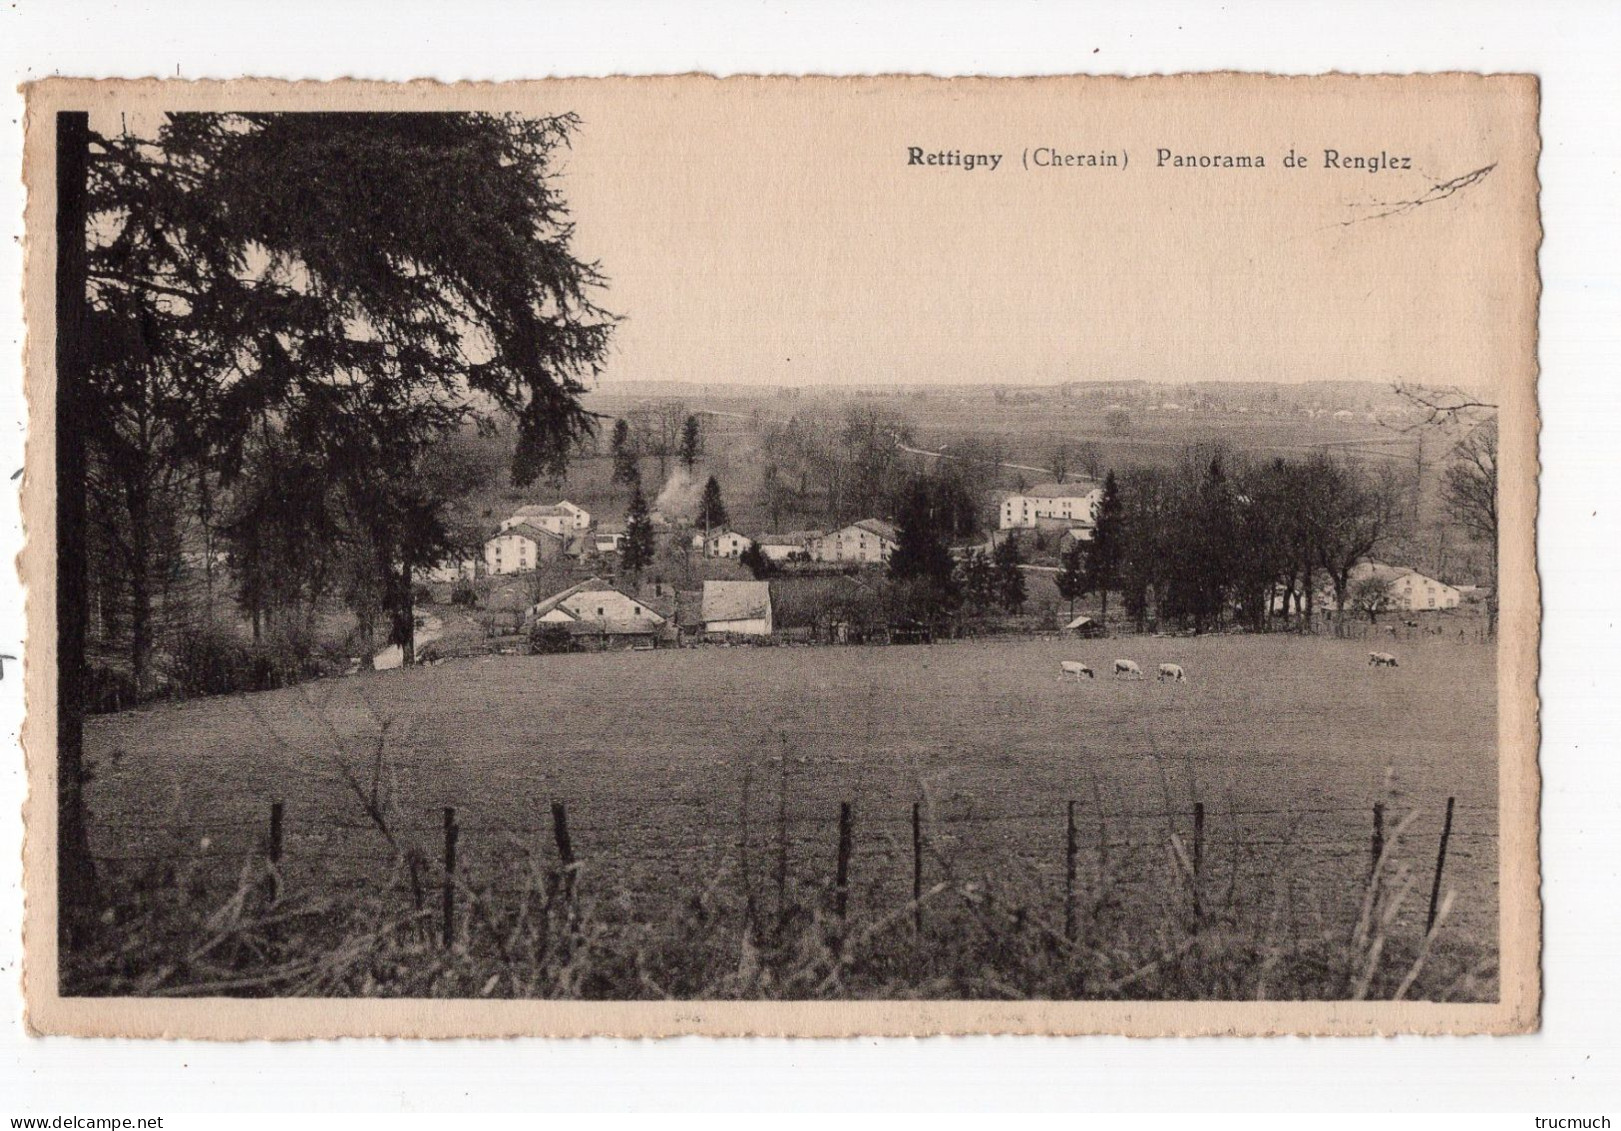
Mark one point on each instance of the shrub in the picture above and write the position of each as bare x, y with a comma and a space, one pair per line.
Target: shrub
549, 639
108, 689
214, 661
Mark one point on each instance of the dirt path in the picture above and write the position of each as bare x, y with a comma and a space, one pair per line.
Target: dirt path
391, 657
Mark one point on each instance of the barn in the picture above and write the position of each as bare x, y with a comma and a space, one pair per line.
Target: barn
740, 608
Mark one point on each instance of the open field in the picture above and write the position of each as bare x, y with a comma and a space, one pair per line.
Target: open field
1285, 740
1030, 429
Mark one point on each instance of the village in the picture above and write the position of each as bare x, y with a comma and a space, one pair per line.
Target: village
551, 578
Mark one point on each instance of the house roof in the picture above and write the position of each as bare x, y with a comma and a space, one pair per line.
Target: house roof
879, 527
1078, 622
790, 539
524, 530
597, 585
1381, 571
543, 510
556, 599
1058, 491
736, 600
1385, 572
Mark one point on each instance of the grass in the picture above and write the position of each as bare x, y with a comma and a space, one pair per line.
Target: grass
703, 789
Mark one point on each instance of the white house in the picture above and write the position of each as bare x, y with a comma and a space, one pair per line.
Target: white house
742, 607
1063, 503
725, 543
594, 604
786, 547
520, 548
1410, 591
870, 540
559, 518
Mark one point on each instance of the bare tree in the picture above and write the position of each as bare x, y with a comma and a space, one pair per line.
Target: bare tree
1439, 405
1470, 491
1060, 461
1470, 486
1373, 595
1359, 510
1090, 460
658, 430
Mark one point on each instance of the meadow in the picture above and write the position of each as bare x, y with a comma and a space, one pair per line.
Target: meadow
691, 774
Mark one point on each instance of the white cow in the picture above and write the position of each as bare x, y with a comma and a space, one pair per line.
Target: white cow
1127, 667
1075, 668
1382, 660
1172, 672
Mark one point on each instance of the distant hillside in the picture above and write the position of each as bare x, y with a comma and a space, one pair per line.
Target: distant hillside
1362, 397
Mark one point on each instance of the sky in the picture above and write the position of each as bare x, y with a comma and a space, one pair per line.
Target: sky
765, 231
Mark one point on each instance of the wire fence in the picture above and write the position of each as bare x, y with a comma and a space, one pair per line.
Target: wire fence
866, 855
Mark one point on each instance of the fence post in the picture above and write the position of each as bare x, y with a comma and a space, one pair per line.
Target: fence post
1198, 857
841, 879
1440, 863
1198, 838
273, 883
1378, 847
448, 910
565, 845
1069, 876
917, 868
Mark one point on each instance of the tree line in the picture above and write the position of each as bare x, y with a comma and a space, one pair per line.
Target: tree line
1214, 540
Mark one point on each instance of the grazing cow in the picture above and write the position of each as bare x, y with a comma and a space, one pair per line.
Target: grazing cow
1127, 667
1382, 660
1076, 669
1172, 672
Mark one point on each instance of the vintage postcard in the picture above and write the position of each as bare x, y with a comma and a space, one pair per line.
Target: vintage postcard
809, 556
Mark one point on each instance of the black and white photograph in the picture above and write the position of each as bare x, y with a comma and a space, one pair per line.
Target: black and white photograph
656, 556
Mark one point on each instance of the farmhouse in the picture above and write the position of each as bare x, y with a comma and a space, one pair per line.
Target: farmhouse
726, 544
787, 547
595, 609
869, 541
742, 607
1061, 504
559, 518
521, 548
1410, 591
